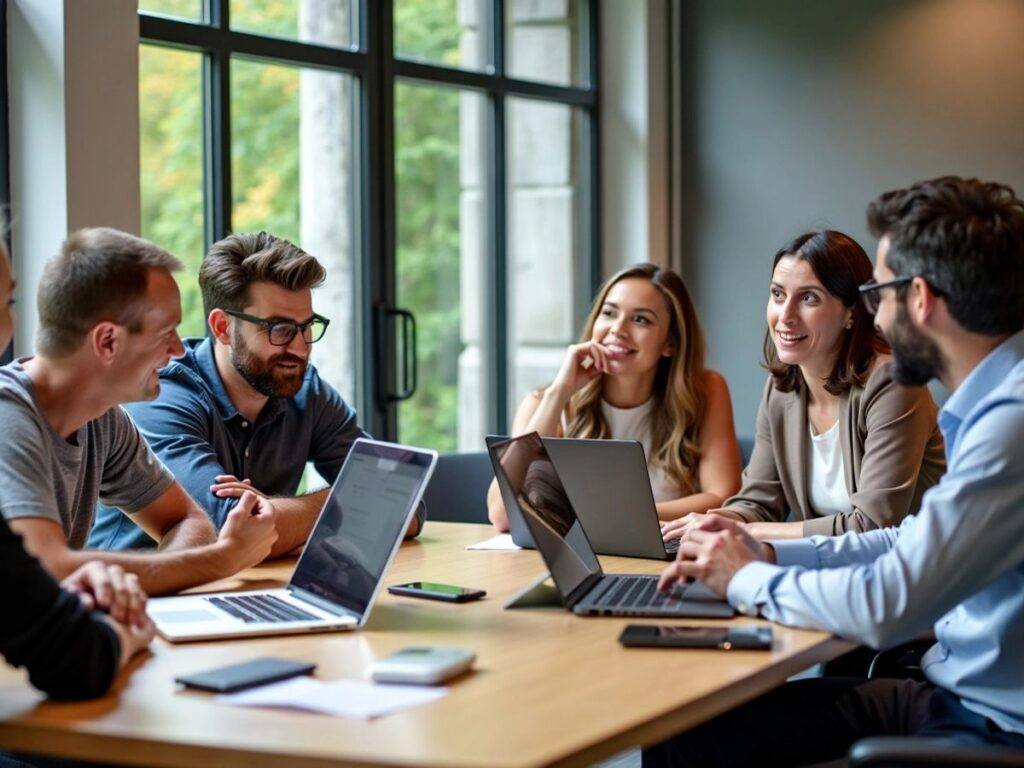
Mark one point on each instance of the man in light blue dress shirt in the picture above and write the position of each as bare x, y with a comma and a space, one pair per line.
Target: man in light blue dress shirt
949, 295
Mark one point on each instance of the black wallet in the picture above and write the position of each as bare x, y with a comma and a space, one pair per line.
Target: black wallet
246, 675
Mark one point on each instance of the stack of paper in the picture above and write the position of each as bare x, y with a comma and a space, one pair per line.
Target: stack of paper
342, 698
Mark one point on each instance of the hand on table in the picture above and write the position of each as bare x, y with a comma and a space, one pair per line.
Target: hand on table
106, 587
675, 529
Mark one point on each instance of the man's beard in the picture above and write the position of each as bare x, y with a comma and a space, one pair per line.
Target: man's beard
262, 375
916, 359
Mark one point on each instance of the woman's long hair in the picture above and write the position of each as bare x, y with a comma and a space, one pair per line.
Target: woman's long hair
680, 390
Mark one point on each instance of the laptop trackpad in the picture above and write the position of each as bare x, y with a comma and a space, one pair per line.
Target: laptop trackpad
177, 617
700, 591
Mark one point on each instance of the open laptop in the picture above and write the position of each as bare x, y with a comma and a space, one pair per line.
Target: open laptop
536, 491
341, 568
609, 485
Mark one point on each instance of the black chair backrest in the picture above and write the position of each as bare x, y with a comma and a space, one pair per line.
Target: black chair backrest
458, 490
746, 448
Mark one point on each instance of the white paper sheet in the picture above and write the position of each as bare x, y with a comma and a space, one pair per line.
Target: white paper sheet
342, 698
501, 542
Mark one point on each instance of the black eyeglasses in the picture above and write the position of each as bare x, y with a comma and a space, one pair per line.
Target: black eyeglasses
871, 292
281, 332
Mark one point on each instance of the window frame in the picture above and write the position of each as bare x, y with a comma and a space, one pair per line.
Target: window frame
6, 355
375, 69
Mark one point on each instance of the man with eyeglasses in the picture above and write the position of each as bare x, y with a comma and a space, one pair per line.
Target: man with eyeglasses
243, 409
949, 296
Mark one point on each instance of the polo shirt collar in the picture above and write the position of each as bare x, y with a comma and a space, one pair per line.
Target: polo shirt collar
206, 364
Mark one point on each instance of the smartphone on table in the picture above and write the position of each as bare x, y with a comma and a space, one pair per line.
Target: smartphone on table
246, 674
679, 636
430, 590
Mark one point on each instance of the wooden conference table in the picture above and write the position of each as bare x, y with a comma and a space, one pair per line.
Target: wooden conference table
549, 687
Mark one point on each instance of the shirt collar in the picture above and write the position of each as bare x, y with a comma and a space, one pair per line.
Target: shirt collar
206, 363
207, 367
985, 377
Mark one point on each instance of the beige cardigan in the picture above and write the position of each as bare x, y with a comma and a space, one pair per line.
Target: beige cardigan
892, 453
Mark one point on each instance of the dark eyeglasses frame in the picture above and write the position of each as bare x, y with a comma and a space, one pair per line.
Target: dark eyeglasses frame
270, 325
871, 292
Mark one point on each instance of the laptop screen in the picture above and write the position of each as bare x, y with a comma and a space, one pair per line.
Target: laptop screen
538, 493
362, 522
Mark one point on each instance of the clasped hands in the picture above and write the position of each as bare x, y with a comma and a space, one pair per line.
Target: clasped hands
712, 549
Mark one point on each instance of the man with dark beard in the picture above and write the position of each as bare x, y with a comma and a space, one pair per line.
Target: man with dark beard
243, 410
948, 294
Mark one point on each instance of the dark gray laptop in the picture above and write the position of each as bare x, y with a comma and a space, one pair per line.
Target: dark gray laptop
524, 468
609, 486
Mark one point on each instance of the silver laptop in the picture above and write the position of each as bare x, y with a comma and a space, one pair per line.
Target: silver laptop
524, 467
609, 485
341, 568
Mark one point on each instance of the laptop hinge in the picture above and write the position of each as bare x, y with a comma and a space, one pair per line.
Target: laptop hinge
583, 589
325, 605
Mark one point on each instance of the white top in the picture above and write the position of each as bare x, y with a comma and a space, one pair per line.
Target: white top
633, 424
827, 481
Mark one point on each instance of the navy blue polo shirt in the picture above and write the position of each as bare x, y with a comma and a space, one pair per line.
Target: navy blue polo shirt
198, 433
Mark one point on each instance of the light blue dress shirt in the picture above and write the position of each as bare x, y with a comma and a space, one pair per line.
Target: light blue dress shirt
957, 565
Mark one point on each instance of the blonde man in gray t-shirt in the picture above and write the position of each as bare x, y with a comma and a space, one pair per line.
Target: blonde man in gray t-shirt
109, 308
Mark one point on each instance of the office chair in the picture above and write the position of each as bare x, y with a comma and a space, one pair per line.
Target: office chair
746, 448
910, 752
458, 490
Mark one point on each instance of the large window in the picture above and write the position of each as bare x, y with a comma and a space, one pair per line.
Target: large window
438, 156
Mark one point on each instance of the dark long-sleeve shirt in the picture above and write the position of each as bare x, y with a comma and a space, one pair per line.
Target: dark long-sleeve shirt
69, 652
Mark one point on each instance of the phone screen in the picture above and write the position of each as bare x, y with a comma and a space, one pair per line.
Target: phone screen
709, 634
437, 589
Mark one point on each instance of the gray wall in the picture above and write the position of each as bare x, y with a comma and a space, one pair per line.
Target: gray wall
797, 114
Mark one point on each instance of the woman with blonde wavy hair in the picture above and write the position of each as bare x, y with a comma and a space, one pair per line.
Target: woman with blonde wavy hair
638, 374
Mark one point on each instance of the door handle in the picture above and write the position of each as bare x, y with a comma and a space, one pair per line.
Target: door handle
409, 374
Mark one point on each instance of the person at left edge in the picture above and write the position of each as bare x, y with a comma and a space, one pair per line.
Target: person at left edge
244, 409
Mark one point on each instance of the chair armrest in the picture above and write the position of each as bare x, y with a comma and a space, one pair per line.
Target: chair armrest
903, 661
911, 752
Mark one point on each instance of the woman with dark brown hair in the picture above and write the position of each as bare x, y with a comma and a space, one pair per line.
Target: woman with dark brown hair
839, 444
638, 374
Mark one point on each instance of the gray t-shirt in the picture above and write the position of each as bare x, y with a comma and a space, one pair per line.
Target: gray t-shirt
44, 475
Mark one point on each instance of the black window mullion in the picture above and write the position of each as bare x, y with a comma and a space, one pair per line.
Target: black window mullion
217, 144
379, 221
593, 181
497, 347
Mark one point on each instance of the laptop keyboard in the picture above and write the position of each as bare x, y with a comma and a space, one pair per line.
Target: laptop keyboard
634, 592
260, 608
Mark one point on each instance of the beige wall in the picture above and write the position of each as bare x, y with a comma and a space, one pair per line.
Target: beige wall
74, 108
